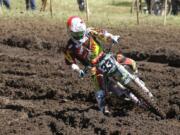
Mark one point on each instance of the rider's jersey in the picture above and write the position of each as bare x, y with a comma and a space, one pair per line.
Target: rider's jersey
89, 50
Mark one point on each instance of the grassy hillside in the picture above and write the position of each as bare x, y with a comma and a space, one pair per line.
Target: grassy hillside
102, 12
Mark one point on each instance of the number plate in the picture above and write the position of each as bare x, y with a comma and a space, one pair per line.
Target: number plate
107, 64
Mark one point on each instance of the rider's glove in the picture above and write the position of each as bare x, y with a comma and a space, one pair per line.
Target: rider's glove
76, 68
115, 38
81, 73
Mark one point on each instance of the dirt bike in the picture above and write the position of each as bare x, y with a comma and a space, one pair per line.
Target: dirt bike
158, 7
121, 77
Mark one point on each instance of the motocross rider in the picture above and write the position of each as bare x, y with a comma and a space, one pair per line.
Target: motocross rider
84, 46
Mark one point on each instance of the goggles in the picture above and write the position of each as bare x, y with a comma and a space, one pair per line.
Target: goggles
77, 35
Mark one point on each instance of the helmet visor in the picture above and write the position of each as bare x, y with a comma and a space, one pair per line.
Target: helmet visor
77, 35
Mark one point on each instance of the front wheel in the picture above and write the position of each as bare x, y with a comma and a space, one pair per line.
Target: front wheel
142, 95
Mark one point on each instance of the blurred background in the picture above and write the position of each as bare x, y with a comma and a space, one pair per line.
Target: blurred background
101, 12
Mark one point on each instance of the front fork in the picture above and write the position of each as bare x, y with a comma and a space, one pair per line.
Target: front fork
127, 78
117, 88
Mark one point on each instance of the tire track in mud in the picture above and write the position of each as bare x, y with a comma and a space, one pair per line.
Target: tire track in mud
172, 58
166, 89
65, 115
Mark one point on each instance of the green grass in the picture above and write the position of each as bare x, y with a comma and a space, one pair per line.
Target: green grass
122, 3
113, 13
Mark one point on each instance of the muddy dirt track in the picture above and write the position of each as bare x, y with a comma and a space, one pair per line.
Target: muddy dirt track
41, 96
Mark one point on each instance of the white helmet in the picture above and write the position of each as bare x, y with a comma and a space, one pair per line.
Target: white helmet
76, 27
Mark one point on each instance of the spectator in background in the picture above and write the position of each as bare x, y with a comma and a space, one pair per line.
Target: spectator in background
6, 3
148, 2
81, 4
175, 5
30, 4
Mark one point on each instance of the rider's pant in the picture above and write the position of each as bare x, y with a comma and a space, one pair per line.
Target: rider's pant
30, 4
120, 91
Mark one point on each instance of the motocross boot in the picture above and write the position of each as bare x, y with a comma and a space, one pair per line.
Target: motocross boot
100, 97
